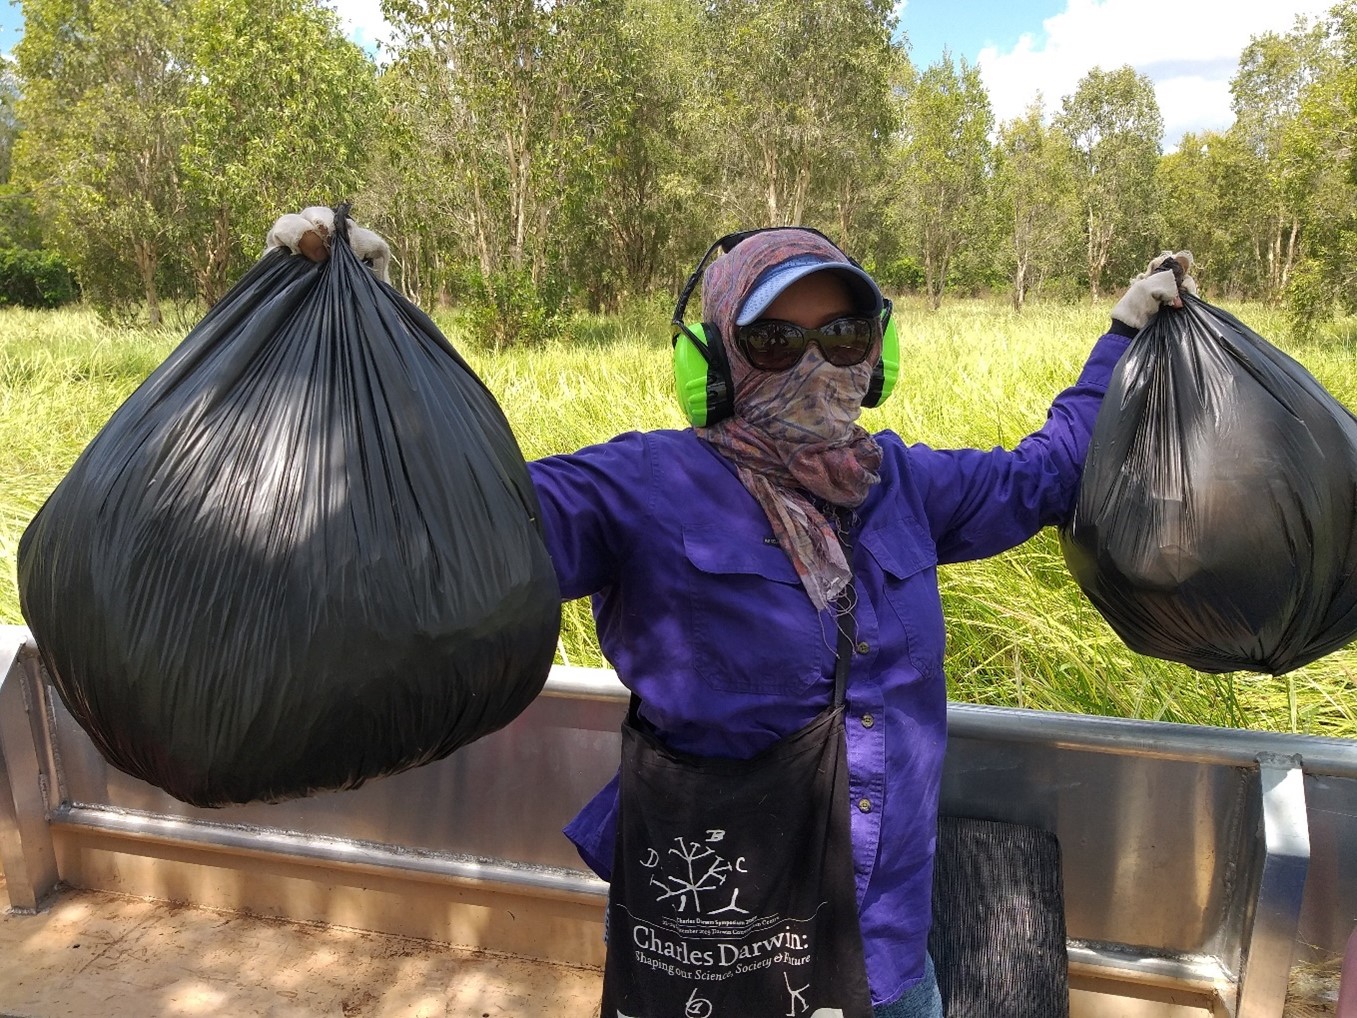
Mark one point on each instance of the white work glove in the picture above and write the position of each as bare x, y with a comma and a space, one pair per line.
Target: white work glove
308, 233
1154, 288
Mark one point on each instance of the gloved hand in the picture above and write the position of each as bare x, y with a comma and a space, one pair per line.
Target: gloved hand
1154, 288
308, 233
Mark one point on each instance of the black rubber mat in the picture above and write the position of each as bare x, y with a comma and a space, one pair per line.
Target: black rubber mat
998, 938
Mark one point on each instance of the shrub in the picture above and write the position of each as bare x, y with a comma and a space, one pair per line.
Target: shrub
900, 275
507, 309
1309, 300
35, 279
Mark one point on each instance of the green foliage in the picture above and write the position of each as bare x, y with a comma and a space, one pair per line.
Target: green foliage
155, 158
1263, 211
1036, 202
508, 309
1205, 197
942, 161
251, 153
102, 108
1114, 123
19, 222
512, 100
1320, 179
9, 120
643, 210
35, 279
597, 146
795, 125
899, 275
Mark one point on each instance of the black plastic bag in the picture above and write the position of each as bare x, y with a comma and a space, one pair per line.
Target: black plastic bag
1216, 523
304, 553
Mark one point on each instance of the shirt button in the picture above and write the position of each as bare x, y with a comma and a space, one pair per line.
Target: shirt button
868, 721
865, 805
864, 647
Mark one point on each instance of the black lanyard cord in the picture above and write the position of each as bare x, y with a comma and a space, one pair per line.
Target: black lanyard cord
844, 620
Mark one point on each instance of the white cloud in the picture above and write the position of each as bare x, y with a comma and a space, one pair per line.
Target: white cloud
1189, 50
364, 21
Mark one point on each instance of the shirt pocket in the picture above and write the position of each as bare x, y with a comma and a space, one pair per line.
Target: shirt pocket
908, 560
754, 629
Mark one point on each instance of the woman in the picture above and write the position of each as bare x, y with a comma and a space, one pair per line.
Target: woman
766, 586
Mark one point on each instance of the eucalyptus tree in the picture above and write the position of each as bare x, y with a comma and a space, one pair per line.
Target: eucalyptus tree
1204, 191
1115, 126
282, 112
642, 206
1320, 179
796, 100
1275, 72
1035, 200
942, 166
103, 85
160, 139
18, 224
512, 84
413, 194
9, 121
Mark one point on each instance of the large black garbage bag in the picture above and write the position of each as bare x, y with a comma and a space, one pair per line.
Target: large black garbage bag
304, 553
1216, 521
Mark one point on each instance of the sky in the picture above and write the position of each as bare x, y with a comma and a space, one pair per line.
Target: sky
11, 24
1189, 49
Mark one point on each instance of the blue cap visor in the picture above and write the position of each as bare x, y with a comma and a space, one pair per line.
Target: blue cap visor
866, 294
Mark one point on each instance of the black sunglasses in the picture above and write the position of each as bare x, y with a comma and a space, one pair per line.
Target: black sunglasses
770, 344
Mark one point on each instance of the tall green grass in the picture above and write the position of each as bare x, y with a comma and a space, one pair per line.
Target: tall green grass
974, 374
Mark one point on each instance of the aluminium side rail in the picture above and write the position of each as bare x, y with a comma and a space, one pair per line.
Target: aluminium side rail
1197, 861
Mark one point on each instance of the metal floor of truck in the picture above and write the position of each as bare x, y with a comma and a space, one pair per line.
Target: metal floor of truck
98, 955
95, 954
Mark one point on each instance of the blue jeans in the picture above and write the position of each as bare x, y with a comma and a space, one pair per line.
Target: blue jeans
921, 1001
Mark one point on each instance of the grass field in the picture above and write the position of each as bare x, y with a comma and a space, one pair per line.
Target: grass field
974, 374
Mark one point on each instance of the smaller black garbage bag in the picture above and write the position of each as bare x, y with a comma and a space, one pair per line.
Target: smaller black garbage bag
1216, 523
304, 553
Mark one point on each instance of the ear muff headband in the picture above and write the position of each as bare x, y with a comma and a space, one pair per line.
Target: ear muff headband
702, 379
703, 382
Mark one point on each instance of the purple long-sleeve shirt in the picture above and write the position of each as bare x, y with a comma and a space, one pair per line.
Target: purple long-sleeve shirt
703, 617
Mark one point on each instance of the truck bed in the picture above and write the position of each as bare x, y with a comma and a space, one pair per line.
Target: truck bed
94, 954
1207, 873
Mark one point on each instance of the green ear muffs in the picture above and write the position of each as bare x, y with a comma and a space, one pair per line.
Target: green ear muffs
887, 367
702, 378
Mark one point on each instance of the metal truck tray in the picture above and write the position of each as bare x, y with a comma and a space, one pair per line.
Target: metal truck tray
1203, 868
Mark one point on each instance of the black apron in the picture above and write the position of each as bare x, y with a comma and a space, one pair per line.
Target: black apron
733, 893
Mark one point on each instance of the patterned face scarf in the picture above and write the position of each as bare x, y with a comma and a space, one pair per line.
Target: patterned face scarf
794, 436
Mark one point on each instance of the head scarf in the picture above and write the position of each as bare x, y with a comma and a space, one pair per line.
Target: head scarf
794, 437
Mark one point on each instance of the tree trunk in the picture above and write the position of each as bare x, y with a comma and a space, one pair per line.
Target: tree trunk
1261, 276
212, 258
519, 204
146, 265
479, 215
799, 194
1292, 253
935, 276
928, 272
1094, 260
1274, 258
1021, 252
770, 177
